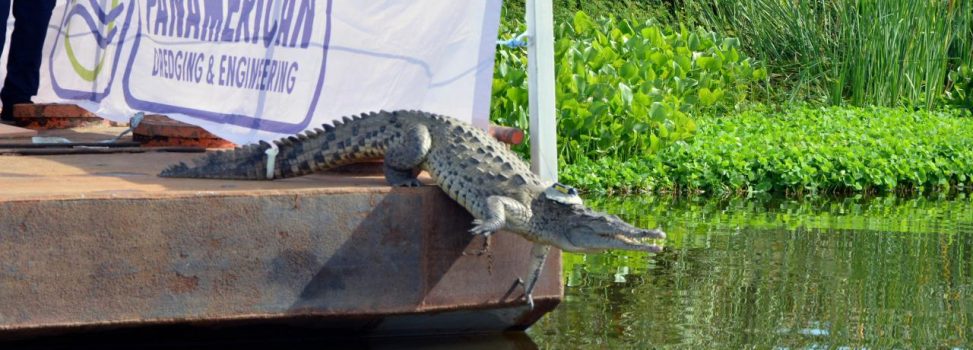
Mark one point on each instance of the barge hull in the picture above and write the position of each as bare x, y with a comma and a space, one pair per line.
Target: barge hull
90, 242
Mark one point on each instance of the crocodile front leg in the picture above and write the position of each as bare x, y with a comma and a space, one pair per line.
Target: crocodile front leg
505, 212
500, 212
404, 155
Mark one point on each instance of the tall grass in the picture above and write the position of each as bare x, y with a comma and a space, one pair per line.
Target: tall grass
866, 52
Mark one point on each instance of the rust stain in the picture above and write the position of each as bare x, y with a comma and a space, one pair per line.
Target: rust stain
214, 243
180, 284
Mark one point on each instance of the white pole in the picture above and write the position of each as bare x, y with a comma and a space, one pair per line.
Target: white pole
540, 72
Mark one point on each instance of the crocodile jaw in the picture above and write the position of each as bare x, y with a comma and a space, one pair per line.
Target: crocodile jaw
610, 232
574, 227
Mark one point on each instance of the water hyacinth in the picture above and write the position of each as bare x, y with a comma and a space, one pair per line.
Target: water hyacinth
800, 150
627, 88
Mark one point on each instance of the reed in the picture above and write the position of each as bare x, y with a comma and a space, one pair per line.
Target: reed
863, 52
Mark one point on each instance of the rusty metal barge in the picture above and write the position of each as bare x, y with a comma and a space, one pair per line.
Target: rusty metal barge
95, 241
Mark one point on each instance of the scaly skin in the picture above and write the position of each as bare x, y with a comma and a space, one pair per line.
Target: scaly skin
474, 169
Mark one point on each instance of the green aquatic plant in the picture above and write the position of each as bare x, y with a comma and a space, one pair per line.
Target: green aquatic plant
564, 10
799, 151
960, 92
627, 88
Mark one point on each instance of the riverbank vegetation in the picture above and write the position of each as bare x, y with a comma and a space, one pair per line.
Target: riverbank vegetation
756, 96
627, 88
799, 150
885, 53
564, 10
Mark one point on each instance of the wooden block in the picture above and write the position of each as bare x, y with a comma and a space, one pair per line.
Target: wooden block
10, 131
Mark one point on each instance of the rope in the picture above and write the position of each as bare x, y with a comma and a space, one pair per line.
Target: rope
521, 40
132, 124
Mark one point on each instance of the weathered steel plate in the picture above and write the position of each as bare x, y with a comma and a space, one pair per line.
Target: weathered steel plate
10, 131
358, 256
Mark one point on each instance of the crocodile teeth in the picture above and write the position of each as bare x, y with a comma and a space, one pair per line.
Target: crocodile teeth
641, 241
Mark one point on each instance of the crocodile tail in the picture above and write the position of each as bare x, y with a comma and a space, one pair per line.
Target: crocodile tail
345, 141
243, 163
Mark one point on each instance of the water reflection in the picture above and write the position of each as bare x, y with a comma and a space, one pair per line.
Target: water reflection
854, 273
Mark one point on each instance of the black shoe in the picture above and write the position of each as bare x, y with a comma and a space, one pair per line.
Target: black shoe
7, 114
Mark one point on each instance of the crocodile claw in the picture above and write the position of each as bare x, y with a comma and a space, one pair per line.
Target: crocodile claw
528, 295
481, 227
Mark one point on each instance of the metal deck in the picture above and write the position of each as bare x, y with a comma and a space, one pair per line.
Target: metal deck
99, 242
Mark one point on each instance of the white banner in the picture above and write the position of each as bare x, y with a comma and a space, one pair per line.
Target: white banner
251, 70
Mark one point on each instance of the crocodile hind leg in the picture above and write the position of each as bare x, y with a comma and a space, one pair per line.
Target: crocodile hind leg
538, 254
404, 155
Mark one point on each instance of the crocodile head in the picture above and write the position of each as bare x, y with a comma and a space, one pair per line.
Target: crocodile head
559, 217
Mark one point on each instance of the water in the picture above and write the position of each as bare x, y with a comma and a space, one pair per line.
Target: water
776, 274
765, 274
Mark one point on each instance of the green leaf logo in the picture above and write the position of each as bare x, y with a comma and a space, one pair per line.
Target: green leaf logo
95, 23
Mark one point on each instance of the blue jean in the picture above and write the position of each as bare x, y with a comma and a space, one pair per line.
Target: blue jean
26, 42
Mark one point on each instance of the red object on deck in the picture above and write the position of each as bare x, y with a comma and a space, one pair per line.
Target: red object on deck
161, 131
55, 116
507, 134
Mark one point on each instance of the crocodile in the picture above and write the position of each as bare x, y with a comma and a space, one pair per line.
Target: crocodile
494, 184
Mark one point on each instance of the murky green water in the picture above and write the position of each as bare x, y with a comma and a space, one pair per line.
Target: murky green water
819, 274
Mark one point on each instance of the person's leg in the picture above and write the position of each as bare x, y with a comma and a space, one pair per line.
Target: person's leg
4, 15
24, 59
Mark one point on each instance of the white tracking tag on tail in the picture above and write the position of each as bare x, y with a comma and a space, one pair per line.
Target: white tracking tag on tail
271, 159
